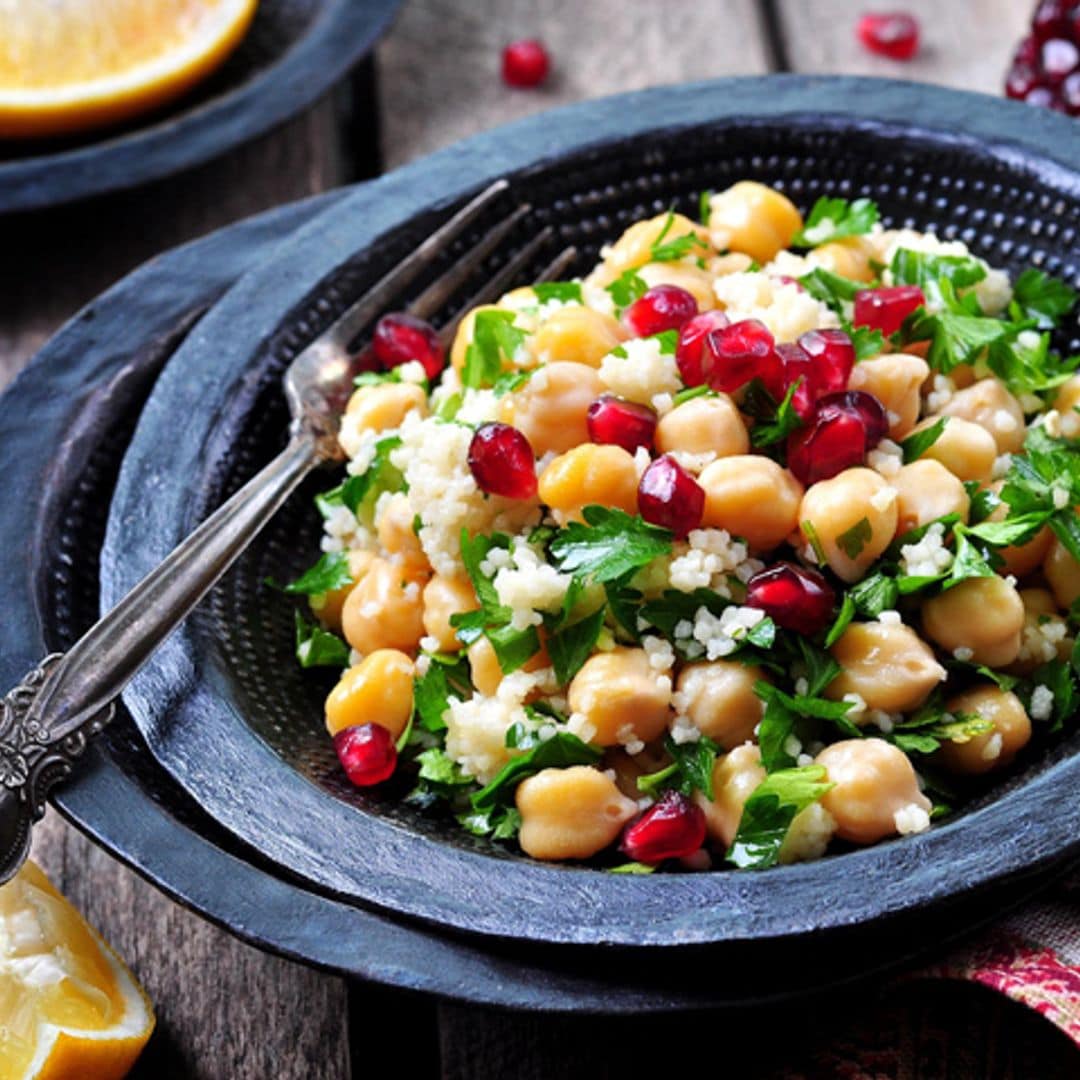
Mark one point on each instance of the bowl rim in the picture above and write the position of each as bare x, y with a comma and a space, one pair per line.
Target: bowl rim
669, 911
341, 32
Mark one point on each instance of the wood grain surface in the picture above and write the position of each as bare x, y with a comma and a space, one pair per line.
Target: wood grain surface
228, 1012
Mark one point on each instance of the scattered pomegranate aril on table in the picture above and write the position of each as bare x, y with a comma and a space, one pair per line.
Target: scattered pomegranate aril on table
502, 461
1045, 70
621, 423
663, 307
669, 496
886, 309
525, 63
672, 828
367, 753
794, 597
400, 338
894, 34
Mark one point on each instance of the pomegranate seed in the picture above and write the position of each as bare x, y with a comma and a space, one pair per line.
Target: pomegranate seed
791, 281
1051, 19
745, 350
525, 63
1027, 52
842, 429
401, 338
502, 461
663, 307
793, 597
799, 366
1060, 59
834, 358
1070, 94
1042, 97
367, 753
895, 35
688, 353
672, 828
669, 496
1021, 80
886, 309
622, 423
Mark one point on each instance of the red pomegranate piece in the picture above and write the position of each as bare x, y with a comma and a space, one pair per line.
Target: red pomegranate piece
669, 496
793, 597
689, 351
841, 430
672, 828
366, 753
1021, 80
1027, 52
1059, 60
400, 338
1070, 94
893, 34
1046, 64
1051, 19
502, 461
798, 367
621, 423
663, 307
525, 63
1042, 97
886, 309
736, 354
833, 358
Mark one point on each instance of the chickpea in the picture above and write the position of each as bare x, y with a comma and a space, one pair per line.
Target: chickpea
1045, 634
576, 334
570, 813
587, 475
385, 610
550, 408
1062, 573
853, 517
734, 777
926, 491
988, 404
701, 425
849, 258
993, 749
326, 607
895, 380
1067, 403
1021, 559
634, 248
485, 670
445, 596
696, 281
396, 533
384, 406
753, 497
886, 664
734, 262
754, 219
719, 698
874, 780
619, 692
378, 690
967, 450
985, 615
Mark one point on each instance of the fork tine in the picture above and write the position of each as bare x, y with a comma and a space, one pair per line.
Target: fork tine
440, 290
497, 285
382, 294
559, 265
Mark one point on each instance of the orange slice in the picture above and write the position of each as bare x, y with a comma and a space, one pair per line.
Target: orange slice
69, 1008
69, 65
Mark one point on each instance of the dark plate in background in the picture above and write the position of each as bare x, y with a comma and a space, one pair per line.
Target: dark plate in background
228, 714
294, 53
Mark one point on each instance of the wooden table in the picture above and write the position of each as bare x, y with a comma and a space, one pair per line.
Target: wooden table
228, 1012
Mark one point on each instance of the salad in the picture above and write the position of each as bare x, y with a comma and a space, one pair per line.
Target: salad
758, 541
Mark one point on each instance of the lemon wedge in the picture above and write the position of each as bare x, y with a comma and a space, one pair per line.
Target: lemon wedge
70, 65
69, 1008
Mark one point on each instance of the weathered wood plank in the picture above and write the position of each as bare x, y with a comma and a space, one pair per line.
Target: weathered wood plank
440, 65
966, 43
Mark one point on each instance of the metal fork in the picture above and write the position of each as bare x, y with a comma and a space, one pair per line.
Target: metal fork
47, 720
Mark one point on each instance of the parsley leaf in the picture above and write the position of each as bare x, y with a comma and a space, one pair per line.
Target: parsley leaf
610, 544
432, 690
1024, 362
569, 292
768, 813
626, 288
1041, 297
956, 335
329, 573
676, 248
843, 621
915, 445
572, 645
559, 752
783, 710
926, 729
783, 423
853, 540
690, 771
361, 493
830, 288
704, 207
874, 594
929, 271
498, 822
834, 218
509, 381
495, 339
868, 343
316, 647
969, 561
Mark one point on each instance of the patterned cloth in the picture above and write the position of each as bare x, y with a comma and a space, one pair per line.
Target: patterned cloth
1032, 956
